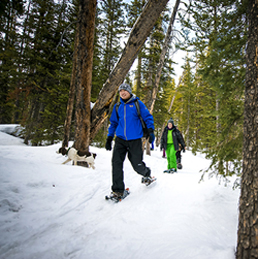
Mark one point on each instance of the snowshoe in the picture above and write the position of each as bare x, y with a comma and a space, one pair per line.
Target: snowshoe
170, 171
148, 180
117, 197
179, 166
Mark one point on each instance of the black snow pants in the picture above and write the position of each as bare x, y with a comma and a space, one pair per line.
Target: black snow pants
135, 156
178, 157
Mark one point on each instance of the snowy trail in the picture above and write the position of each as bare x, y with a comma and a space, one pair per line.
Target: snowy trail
50, 210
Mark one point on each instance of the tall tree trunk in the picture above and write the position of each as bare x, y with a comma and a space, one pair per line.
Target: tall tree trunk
149, 87
188, 123
169, 109
138, 74
70, 104
162, 56
247, 244
217, 119
17, 114
139, 33
148, 98
87, 11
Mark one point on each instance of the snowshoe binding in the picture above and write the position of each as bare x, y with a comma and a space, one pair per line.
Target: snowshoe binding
148, 180
117, 196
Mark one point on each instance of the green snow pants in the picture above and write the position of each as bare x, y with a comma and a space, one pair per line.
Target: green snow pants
171, 156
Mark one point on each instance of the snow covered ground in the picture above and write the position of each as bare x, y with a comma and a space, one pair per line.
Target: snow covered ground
49, 210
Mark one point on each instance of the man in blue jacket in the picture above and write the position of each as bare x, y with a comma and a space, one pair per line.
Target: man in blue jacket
126, 124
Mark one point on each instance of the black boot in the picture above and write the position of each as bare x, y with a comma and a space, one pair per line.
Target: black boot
179, 165
178, 160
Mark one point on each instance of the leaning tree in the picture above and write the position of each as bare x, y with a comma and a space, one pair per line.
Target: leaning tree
88, 121
137, 37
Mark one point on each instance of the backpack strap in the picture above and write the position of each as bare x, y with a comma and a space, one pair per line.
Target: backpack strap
136, 105
117, 106
139, 114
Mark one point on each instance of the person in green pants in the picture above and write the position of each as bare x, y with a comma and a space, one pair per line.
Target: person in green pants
171, 137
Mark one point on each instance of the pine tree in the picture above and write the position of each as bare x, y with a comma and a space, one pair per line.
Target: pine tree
161, 112
112, 28
184, 107
11, 11
219, 42
205, 115
47, 64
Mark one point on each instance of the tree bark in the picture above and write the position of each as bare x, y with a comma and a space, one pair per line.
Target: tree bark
87, 11
138, 74
138, 35
70, 104
149, 88
162, 56
169, 109
247, 244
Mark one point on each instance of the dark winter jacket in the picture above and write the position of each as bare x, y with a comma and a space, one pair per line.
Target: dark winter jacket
177, 138
127, 124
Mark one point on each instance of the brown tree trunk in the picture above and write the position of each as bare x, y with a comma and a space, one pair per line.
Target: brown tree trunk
70, 104
87, 11
247, 244
162, 56
169, 109
139, 33
138, 74
149, 88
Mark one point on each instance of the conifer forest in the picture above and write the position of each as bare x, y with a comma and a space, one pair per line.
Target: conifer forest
62, 61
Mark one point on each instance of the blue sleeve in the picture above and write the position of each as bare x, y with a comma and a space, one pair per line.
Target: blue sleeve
146, 116
113, 123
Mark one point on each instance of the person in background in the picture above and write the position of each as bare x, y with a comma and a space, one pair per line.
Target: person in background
126, 124
170, 140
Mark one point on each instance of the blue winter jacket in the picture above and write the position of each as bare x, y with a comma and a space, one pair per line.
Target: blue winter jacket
127, 124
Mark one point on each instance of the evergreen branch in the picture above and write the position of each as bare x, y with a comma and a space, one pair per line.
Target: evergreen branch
62, 36
61, 39
228, 128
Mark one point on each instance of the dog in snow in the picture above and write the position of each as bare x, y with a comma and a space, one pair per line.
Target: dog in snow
74, 155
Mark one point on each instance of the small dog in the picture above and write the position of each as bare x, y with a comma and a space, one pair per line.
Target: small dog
74, 155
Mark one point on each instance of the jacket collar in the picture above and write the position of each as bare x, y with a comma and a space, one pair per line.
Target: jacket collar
132, 99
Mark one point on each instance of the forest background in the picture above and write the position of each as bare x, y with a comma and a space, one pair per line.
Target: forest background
207, 102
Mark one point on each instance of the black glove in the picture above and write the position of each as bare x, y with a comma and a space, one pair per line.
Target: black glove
151, 135
184, 150
108, 145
